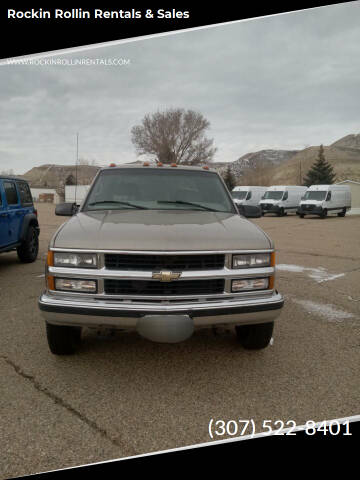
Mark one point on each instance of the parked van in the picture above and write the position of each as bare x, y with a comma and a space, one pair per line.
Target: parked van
323, 199
281, 199
248, 195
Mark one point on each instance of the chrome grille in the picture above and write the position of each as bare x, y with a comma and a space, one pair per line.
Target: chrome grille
175, 263
152, 287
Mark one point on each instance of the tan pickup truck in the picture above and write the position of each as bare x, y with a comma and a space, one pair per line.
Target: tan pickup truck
162, 250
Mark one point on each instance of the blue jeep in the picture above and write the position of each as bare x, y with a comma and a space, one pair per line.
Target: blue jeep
19, 226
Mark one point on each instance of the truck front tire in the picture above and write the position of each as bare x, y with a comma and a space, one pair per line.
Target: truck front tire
28, 250
255, 337
63, 340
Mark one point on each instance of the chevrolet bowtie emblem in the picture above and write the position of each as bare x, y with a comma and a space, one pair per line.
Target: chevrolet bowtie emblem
165, 276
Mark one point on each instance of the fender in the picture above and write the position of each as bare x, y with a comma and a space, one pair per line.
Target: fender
29, 218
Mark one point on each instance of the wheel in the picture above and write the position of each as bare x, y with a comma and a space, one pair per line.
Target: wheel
342, 214
63, 340
255, 337
324, 213
28, 250
281, 212
302, 215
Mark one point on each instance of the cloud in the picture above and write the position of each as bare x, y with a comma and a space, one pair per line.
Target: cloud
283, 81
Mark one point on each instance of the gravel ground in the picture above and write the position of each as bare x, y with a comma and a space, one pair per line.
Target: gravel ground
122, 395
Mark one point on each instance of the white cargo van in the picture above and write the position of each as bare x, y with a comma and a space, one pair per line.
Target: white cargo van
323, 199
282, 199
248, 195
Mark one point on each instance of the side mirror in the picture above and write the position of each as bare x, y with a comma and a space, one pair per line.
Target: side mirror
262, 198
302, 198
66, 209
249, 211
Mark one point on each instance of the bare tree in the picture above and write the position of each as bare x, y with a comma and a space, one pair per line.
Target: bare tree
86, 161
174, 136
10, 171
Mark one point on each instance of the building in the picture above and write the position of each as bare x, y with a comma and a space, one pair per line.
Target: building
78, 191
355, 196
46, 195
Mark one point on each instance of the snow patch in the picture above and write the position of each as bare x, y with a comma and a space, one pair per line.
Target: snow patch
330, 312
319, 274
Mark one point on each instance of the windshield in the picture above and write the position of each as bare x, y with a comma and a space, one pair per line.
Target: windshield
272, 195
315, 195
239, 195
158, 189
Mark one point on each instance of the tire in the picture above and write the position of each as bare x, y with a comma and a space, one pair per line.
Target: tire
29, 249
324, 213
342, 214
302, 215
255, 337
63, 340
281, 212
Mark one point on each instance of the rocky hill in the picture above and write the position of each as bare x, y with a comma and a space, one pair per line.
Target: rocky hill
57, 176
343, 155
349, 141
277, 167
253, 160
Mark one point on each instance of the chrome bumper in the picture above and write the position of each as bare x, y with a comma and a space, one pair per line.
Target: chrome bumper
111, 314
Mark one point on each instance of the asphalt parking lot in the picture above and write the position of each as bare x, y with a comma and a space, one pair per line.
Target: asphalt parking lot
122, 395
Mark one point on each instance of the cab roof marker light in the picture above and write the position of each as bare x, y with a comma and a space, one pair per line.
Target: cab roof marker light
173, 165
112, 165
146, 164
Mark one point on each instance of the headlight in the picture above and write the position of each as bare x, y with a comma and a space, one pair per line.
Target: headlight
75, 285
82, 260
251, 260
249, 284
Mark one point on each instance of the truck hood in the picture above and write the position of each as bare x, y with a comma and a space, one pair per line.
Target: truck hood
159, 230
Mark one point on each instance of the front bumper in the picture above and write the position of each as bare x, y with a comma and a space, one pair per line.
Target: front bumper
270, 208
309, 210
111, 314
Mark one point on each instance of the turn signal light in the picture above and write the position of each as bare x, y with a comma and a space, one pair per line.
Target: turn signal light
50, 258
272, 259
50, 282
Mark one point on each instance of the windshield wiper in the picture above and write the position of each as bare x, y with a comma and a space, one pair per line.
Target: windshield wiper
117, 202
181, 202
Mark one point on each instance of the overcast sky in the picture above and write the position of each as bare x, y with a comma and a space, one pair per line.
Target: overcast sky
286, 81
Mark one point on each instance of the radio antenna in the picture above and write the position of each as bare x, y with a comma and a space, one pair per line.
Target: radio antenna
76, 164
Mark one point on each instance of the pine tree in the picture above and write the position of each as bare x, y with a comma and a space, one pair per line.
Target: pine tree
321, 172
229, 178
